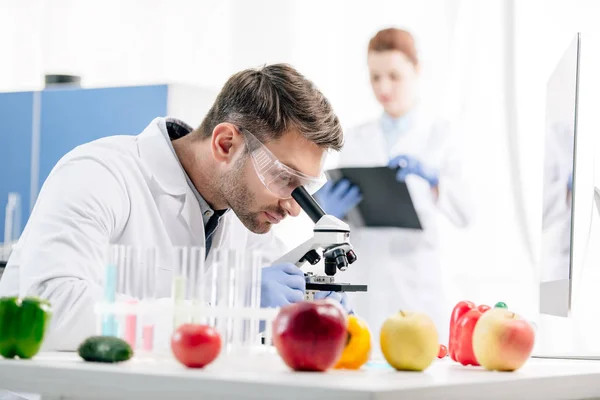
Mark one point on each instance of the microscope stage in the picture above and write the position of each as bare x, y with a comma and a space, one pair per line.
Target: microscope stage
335, 287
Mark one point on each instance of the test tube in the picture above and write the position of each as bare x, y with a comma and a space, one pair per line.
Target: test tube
255, 267
225, 262
178, 286
139, 284
196, 283
125, 265
109, 324
187, 282
240, 287
149, 276
12, 224
212, 277
130, 326
241, 295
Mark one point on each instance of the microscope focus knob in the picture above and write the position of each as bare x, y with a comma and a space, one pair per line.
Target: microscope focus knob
351, 255
312, 257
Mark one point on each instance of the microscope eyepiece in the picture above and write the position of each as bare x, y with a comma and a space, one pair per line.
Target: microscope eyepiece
308, 204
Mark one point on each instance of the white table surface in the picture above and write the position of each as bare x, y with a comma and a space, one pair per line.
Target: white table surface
65, 376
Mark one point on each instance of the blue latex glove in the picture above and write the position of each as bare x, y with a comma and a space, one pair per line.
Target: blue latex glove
409, 165
339, 198
570, 182
281, 285
340, 297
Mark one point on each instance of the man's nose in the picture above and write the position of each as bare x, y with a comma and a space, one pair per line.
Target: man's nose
384, 87
291, 207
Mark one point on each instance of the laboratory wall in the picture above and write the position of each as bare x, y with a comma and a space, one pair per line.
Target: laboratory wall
485, 65
41, 126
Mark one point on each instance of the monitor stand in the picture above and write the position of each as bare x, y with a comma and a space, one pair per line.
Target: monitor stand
567, 356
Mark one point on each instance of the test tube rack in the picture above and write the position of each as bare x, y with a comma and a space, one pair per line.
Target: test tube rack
225, 296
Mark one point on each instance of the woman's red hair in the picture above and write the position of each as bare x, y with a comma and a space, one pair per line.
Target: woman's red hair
394, 39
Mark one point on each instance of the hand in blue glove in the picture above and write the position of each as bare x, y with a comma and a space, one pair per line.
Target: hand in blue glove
340, 297
409, 165
570, 182
339, 198
281, 285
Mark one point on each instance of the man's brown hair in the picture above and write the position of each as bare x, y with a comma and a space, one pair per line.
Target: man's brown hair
394, 39
272, 100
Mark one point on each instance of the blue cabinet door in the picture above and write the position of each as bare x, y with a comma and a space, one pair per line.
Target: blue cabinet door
16, 110
71, 117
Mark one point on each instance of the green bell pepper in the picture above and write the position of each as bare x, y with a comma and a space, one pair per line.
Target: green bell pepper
23, 324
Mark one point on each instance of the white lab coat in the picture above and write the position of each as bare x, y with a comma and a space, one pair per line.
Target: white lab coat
117, 190
402, 268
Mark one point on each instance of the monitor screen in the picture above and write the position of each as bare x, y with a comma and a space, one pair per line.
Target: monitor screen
561, 123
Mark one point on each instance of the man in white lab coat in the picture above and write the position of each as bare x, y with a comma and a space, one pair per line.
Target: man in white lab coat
401, 267
223, 184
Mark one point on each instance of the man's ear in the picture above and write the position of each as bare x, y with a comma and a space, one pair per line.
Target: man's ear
226, 141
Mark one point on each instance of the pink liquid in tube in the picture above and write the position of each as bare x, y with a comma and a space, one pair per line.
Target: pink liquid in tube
131, 327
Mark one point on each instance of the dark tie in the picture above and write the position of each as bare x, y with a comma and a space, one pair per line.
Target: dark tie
209, 229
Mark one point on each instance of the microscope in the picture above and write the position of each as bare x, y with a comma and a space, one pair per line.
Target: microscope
331, 237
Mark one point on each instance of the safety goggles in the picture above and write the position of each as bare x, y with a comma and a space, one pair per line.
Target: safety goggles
276, 176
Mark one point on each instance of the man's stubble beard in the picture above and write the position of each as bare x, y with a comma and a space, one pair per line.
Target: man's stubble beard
235, 191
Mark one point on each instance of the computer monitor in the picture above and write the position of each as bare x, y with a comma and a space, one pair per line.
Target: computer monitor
568, 324
559, 189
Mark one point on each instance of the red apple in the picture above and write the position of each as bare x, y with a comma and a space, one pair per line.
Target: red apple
195, 346
502, 340
310, 335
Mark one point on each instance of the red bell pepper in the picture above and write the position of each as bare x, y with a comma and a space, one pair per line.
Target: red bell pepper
464, 337
464, 317
483, 308
460, 309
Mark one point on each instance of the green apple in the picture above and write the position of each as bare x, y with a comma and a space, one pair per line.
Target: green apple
409, 341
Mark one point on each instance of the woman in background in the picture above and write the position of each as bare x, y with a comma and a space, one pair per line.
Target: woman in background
401, 267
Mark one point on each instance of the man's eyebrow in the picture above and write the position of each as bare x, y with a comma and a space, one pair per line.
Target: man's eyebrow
293, 166
290, 165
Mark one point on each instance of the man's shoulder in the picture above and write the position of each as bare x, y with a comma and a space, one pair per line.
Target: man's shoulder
108, 158
118, 144
110, 150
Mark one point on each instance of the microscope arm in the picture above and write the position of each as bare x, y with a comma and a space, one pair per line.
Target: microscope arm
308, 251
329, 233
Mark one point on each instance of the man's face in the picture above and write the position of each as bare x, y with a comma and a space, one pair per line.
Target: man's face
394, 81
256, 206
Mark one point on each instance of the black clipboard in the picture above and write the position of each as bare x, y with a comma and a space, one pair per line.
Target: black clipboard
386, 202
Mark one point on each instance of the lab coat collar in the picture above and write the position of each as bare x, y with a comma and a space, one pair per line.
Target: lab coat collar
164, 167
398, 125
168, 174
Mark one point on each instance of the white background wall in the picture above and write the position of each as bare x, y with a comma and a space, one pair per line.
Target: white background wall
486, 64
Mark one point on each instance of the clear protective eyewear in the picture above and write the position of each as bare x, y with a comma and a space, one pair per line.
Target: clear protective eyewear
276, 176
